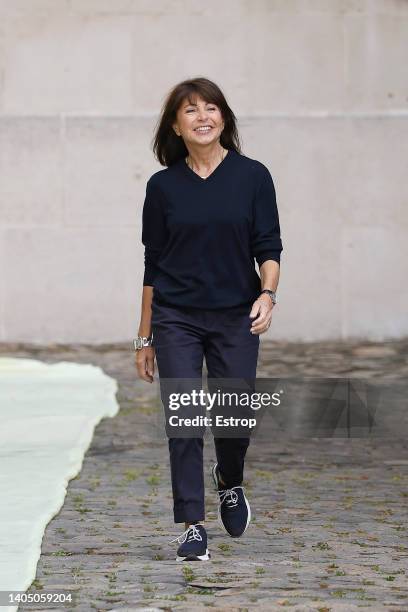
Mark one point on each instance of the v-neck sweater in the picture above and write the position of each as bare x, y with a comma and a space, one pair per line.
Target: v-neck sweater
202, 235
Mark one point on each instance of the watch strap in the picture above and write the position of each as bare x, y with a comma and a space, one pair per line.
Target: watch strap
272, 294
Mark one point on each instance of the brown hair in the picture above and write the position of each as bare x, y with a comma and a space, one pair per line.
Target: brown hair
168, 148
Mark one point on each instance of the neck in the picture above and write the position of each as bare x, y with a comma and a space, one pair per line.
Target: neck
204, 160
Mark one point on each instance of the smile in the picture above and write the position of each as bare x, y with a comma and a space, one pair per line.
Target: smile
203, 129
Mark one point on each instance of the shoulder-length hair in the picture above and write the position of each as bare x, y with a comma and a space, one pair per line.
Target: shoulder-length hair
168, 148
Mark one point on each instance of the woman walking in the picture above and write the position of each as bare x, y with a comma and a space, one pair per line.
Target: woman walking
206, 217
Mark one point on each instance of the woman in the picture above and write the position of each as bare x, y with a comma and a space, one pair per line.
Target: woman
206, 217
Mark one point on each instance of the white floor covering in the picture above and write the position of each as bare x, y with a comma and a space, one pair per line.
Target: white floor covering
48, 413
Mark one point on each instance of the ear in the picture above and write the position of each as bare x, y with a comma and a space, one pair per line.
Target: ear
175, 128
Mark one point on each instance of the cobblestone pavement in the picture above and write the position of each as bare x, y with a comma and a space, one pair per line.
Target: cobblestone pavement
330, 515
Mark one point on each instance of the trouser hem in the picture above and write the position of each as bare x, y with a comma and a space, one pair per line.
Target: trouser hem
189, 513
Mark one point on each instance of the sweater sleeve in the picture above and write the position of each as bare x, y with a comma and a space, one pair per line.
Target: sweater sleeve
153, 231
266, 241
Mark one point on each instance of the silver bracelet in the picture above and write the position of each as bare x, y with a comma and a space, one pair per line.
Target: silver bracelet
142, 341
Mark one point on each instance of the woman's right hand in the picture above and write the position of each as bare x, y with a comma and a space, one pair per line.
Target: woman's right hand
144, 360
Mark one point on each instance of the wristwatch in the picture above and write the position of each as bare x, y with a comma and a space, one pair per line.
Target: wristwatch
142, 341
272, 294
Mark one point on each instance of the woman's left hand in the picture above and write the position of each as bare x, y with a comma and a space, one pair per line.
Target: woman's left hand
263, 307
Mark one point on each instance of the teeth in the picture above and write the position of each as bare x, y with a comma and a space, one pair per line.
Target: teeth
203, 129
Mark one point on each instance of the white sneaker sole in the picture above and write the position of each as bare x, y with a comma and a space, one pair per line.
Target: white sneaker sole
204, 557
213, 472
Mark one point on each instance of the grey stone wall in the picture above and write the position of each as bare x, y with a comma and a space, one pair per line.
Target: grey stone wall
320, 90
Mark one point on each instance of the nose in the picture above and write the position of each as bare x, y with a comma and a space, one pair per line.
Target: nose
202, 114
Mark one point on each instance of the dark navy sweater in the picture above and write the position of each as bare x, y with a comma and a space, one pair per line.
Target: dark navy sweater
201, 236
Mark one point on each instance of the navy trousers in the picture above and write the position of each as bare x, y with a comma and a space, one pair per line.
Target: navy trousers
182, 338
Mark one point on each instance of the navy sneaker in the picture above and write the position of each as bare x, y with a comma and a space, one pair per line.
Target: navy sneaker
234, 512
193, 544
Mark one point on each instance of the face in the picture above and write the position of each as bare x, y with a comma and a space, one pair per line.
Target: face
203, 115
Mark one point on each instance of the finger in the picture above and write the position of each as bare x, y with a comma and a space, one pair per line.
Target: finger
150, 366
259, 322
255, 310
259, 328
141, 368
260, 331
262, 319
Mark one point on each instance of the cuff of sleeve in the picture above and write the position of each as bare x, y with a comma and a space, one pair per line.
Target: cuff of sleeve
148, 278
265, 256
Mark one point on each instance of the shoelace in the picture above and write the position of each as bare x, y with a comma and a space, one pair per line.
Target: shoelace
194, 535
230, 496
